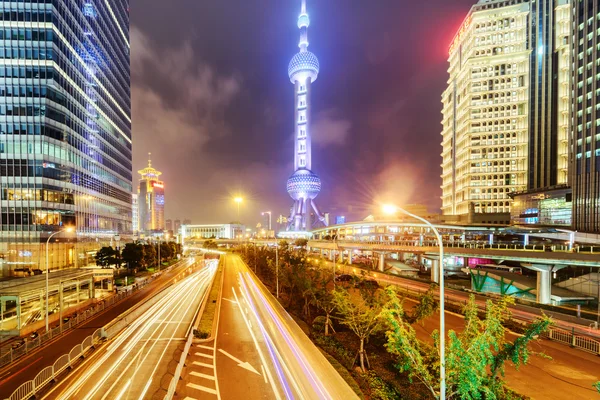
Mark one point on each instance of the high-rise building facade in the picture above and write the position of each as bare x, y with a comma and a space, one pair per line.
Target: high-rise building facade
151, 192
304, 185
177, 225
135, 213
585, 114
169, 224
65, 129
505, 111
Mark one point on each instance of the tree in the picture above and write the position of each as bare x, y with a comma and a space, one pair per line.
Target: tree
324, 300
149, 255
210, 244
474, 357
597, 386
165, 252
300, 242
133, 255
105, 257
361, 316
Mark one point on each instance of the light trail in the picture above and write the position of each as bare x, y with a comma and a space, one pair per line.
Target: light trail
161, 321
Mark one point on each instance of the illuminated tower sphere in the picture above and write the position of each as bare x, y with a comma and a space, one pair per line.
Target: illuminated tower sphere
304, 185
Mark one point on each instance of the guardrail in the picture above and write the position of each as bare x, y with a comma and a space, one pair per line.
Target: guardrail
572, 339
102, 305
474, 245
48, 374
30, 388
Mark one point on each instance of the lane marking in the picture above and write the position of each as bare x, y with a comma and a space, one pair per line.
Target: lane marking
203, 388
205, 347
200, 375
203, 355
203, 364
19, 371
189, 398
262, 367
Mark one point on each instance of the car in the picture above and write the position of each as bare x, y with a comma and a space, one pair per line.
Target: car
344, 278
367, 284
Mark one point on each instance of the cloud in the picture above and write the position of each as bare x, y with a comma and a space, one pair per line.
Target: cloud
329, 129
184, 123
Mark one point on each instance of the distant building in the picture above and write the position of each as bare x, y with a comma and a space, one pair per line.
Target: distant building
151, 193
585, 116
340, 219
169, 224
544, 207
216, 231
176, 225
187, 222
135, 213
267, 219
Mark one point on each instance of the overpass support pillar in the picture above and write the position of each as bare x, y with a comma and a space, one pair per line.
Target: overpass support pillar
350, 257
382, 262
544, 282
435, 270
341, 257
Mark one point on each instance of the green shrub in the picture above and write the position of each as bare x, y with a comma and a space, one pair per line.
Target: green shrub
200, 334
380, 390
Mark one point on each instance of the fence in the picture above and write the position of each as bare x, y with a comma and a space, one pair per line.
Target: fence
48, 374
30, 345
572, 339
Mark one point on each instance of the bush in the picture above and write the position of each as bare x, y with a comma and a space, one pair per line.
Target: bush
335, 348
318, 325
380, 390
200, 334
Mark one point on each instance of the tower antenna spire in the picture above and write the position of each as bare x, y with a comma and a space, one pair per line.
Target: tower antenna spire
303, 185
303, 23
149, 160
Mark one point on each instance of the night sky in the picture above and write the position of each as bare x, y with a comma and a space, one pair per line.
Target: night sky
212, 101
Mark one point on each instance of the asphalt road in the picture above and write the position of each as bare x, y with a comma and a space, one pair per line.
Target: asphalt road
259, 352
26, 368
134, 363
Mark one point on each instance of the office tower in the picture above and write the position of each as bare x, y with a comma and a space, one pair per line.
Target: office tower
169, 224
505, 110
585, 117
177, 225
151, 192
304, 185
65, 130
135, 213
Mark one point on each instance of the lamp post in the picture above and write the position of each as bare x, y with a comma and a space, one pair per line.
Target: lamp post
68, 229
277, 268
392, 210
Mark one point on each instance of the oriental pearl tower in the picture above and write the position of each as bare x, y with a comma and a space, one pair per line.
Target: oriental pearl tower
303, 185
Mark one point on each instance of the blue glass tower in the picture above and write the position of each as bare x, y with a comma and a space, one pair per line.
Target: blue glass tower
304, 185
65, 130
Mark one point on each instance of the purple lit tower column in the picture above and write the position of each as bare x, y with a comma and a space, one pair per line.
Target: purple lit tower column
304, 185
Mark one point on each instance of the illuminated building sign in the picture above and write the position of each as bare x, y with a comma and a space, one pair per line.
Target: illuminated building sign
158, 185
460, 33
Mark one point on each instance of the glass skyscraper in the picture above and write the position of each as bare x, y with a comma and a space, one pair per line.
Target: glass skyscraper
65, 130
585, 115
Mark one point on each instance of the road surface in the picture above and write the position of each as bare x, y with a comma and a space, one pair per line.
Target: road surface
259, 351
26, 368
133, 364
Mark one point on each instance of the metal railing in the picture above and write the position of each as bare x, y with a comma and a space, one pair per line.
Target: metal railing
30, 345
48, 374
574, 340
476, 245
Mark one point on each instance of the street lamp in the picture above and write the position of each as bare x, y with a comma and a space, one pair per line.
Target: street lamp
393, 210
239, 201
67, 229
267, 212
